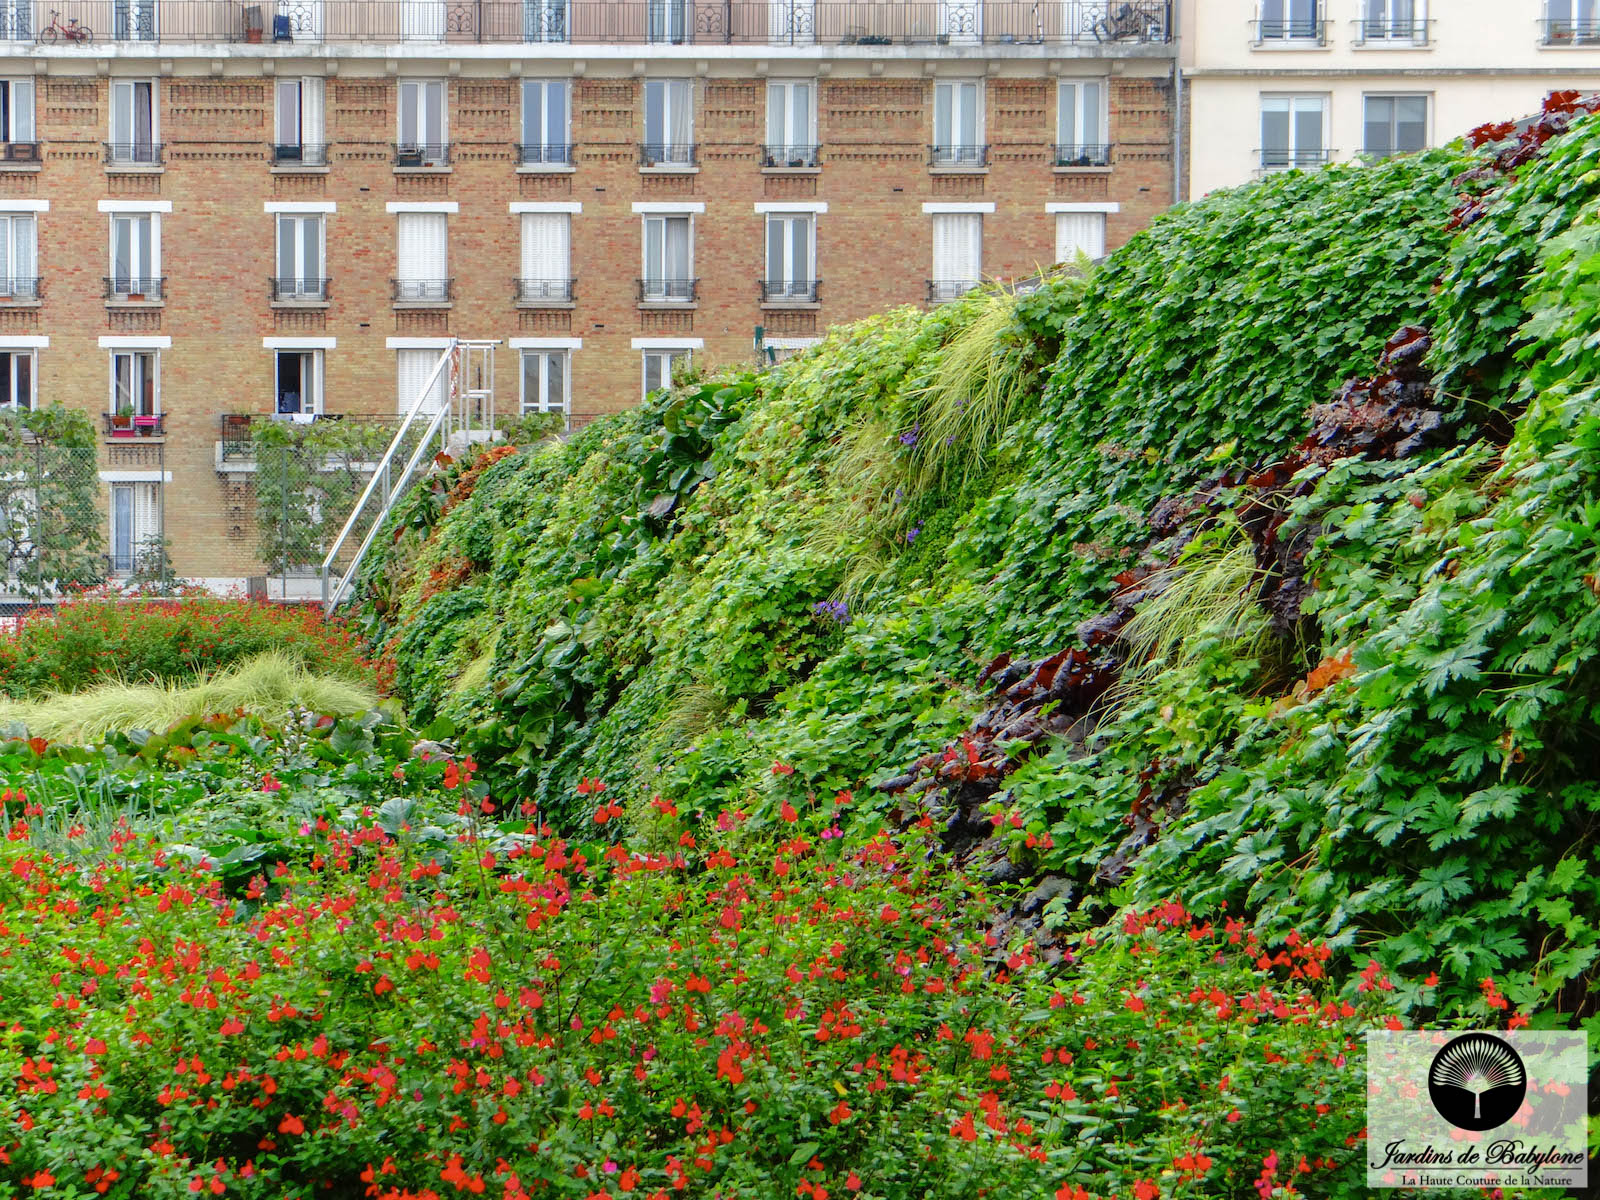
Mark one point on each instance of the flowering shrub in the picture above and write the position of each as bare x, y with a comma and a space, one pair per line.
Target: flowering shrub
744, 1011
96, 635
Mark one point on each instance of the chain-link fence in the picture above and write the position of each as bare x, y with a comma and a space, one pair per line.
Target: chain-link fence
53, 523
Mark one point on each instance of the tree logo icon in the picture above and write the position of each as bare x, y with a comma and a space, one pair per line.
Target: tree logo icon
1477, 1081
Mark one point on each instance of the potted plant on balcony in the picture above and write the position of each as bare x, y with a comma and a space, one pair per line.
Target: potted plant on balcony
122, 421
147, 425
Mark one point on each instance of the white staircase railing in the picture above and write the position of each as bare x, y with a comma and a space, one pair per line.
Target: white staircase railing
467, 414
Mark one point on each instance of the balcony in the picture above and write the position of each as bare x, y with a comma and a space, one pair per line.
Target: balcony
135, 289
632, 22
19, 289
1280, 159
942, 291
25, 156
544, 154
422, 293
284, 290
669, 156
421, 156
133, 155
668, 291
544, 293
129, 426
299, 154
1565, 32
785, 293
1079, 155
958, 158
238, 443
1392, 31
1289, 32
791, 158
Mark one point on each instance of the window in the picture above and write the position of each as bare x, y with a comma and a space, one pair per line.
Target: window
1292, 131
1569, 21
415, 368
19, 256
422, 20
668, 123
297, 123
1081, 136
423, 256
297, 383
423, 141
545, 382
16, 379
957, 254
546, 258
1291, 19
300, 244
791, 124
16, 20
791, 257
135, 383
661, 365
134, 20
133, 123
1392, 20
668, 20
135, 256
1080, 233
135, 525
16, 115
792, 21
544, 123
668, 258
544, 20
958, 125
1395, 125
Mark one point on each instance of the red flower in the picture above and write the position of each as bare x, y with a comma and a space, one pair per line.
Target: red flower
840, 1113
291, 1124
1146, 1189
782, 768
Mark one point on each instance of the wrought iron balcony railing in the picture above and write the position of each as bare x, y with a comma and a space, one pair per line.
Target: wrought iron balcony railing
1291, 32
1070, 154
788, 291
133, 154
1565, 32
422, 154
791, 156
668, 291
300, 154
958, 156
143, 426
612, 22
942, 291
19, 287
668, 154
285, 290
1387, 31
544, 154
1279, 159
534, 292
136, 287
238, 443
422, 291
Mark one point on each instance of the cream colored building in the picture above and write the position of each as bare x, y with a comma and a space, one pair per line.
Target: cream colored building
1274, 84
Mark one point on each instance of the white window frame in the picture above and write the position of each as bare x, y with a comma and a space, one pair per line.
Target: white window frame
406, 272
665, 295
1390, 27
152, 493
542, 403
1427, 120
666, 361
413, 94
785, 283
941, 273
141, 272
554, 146
11, 130
667, 152
9, 370
1577, 25
1293, 154
949, 151
1284, 23
1085, 214
133, 353
305, 411
301, 287
669, 21
18, 231
1074, 148
131, 151
782, 150
308, 147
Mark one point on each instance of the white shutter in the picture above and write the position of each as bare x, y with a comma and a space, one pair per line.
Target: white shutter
414, 367
957, 247
146, 516
422, 252
544, 246
311, 107
1075, 232
25, 252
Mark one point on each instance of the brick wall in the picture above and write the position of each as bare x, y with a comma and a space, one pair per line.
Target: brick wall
874, 244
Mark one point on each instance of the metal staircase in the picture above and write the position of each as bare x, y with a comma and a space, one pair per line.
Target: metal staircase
466, 416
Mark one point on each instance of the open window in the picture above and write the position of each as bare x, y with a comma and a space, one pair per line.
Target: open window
297, 384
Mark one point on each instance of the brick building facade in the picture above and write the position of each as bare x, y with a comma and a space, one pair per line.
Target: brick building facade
206, 224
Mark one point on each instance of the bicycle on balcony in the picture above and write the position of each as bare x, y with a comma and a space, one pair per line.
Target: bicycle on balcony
1128, 22
72, 31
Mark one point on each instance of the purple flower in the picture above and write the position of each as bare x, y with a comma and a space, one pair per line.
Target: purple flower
909, 437
836, 610
911, 534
